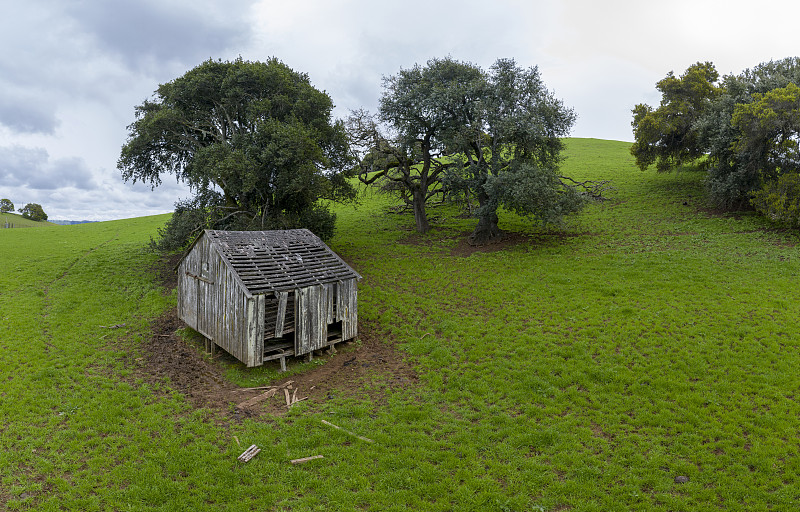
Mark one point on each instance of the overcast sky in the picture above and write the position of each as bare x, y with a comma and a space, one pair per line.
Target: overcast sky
71, 71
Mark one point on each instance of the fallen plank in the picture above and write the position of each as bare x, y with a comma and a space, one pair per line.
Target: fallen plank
280, 386
306, 459
348, 432
259, 388
249, 453
258, 398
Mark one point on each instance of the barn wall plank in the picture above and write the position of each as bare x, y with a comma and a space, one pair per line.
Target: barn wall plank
302, 336
319, 317
280, 315
330, 300
348, 291
257, 346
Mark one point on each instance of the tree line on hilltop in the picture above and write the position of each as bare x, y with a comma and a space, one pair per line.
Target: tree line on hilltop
32, 211
258, 146
256, 143
744, 130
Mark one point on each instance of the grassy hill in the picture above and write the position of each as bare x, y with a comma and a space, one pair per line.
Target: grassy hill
18, 221
581, 369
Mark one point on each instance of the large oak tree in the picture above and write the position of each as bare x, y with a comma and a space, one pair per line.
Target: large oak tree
668, 136
510, 149
404, 147
254, 140
33, 211
452, 127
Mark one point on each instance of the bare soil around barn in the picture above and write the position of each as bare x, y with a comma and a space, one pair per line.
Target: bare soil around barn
184, 365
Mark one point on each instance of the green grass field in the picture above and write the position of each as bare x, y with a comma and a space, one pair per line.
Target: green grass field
584, 369
18, 221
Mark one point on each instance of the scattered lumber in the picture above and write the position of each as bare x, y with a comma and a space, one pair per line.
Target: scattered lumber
269, 393
258, 398
279, 386
348, 432
249, 453
290, 401
306, 459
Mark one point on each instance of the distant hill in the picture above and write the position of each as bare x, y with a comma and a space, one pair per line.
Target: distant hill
70, 222
14, 220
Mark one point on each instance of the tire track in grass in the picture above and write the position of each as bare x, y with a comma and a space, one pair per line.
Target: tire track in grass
32, 429
48, 304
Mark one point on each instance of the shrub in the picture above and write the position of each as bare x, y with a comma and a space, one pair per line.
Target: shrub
779, 199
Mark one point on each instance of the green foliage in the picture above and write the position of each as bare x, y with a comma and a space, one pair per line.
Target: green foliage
742, 162
769, 127
532, 191
255, 140
459, 130
509, 149
34, 212
402, 149
185, 225
207, 210
6, 206
779, 199
744, 131
667, 136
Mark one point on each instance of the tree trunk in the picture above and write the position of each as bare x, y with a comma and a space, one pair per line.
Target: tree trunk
420, 216
486, 232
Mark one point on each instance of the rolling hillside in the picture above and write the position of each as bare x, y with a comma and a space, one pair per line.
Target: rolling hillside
18, 221
644, 356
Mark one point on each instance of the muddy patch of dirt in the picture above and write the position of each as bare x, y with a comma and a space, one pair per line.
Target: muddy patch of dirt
167, 356
370, 366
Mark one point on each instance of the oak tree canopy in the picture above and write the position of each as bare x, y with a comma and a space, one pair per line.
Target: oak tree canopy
255, 141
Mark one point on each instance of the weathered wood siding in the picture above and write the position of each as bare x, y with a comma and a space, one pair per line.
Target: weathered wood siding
212, 300
272, 329
318, 306
347, 308
311, 315
240, 289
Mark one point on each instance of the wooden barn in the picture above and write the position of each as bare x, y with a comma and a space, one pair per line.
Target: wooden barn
265, 295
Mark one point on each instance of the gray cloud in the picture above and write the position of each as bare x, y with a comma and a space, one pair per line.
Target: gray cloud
56, 52
32, 168
156, 31
25, 113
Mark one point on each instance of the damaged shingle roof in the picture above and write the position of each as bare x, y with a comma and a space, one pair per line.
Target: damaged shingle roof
269, 261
